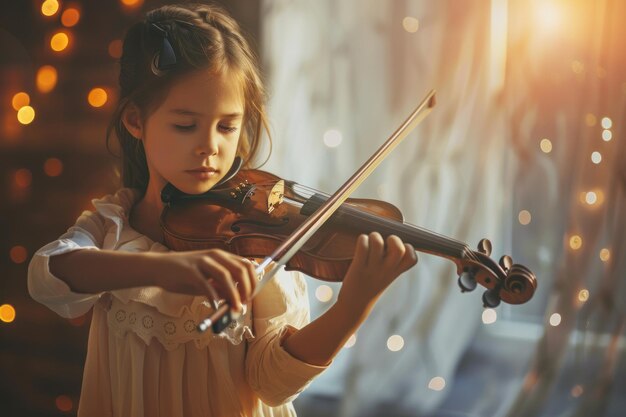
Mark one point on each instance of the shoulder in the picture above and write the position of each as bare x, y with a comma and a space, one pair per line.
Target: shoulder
118, 204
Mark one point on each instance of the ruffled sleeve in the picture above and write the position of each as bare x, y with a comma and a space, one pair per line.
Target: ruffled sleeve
44, 287
89, 232
279, 309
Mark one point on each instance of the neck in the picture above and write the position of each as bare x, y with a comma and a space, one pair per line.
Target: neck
145, 216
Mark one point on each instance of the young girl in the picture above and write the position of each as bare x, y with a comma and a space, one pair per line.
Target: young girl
191, 103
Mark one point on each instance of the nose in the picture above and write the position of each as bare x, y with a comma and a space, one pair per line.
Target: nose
208, 145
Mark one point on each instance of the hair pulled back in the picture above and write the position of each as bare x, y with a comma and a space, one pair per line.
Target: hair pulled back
202, 37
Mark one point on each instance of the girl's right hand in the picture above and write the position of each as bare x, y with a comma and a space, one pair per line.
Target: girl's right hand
205, 272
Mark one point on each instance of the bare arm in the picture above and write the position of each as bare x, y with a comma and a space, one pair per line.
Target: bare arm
374, 267
202, 272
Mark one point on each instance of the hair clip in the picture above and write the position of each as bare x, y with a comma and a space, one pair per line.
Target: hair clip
165, 59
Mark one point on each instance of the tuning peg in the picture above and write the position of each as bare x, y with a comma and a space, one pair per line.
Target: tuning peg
484, 246
505, 262
467, 282
491, 298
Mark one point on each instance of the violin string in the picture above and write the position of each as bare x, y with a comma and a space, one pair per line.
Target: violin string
423, 237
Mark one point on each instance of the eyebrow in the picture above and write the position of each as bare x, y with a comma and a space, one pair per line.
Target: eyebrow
187, 112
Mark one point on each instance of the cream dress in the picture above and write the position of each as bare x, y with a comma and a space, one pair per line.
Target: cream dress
144, 355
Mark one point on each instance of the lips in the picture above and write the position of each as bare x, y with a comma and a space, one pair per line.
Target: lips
203, 169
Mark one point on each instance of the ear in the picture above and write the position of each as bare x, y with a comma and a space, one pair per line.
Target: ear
131, 117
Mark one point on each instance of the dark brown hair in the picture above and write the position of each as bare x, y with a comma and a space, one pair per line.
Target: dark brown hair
202, 37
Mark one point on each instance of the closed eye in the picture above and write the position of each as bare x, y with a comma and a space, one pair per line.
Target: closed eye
185, 128
229, 129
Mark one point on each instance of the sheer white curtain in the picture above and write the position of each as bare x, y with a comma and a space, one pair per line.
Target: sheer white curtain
352, 66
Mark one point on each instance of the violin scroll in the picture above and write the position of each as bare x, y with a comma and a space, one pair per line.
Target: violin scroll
504, 281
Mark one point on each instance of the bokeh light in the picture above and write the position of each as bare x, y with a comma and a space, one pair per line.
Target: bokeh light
7, 313
545, 145
437, 383
590, 119
583, 295
53, 167
332, 138
324, 293
132, 3
591, 197
395, 343
97, 97
410, 24
115, 48
489, 316
23, 178
64, 403
59, 41
70, 17
605, 254
49, 7
26, 115
524, 217
555, 319
577, 391
607, 135
575, 242
46, 78
18, 254
20, 100
596, 157
606, 123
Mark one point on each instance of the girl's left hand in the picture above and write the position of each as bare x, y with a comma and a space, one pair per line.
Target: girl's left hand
376, 264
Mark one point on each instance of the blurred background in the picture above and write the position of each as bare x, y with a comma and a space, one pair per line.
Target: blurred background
525, 147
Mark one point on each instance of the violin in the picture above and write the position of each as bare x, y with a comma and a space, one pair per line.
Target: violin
253, 212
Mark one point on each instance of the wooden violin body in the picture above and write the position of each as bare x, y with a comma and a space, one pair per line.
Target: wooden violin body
252, 213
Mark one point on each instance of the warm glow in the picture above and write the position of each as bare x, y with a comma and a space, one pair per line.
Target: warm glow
324, 293
596, 157
20, 100
46, 78
548, 15
410, 24
591, 198
583, 295
575, 242
49, 7
18, 254
606, 123
7, 313
489, 316
26, 115
131, 3
524, 217
332, 138
64, 403
115, 48
577, 391
351, 342
437, 383
59, 41
395, 343
70, 17
23, 178
53, 167
545, 145
577, 67
97, 97
605, 254
555, 319
607, 135
590, 119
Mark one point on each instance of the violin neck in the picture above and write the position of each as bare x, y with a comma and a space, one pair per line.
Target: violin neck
423, 240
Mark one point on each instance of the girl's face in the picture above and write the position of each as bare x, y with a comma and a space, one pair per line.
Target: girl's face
192, 138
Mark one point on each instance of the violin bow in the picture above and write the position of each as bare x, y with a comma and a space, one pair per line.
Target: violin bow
223, 315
